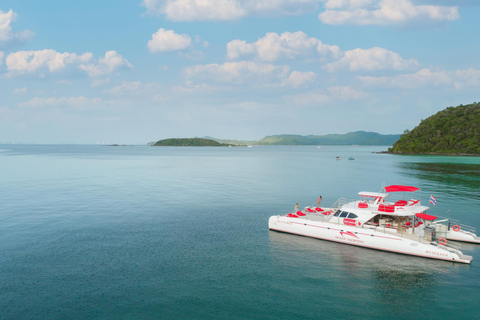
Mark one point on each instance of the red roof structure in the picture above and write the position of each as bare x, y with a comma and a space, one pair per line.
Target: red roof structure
425, 216
399, 188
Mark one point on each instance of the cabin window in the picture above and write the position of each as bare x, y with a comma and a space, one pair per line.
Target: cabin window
337, 213
352, 216
344, 214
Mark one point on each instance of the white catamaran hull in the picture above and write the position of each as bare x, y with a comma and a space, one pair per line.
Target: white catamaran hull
456, 232
364, 237
462, 236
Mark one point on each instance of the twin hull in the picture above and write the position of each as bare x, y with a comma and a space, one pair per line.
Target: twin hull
367, 238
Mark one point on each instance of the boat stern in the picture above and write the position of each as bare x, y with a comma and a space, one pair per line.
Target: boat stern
465, 259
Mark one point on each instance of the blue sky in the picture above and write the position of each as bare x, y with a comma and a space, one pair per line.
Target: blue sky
138, 71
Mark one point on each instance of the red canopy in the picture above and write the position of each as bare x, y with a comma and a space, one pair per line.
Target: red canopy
425, 216
397, 188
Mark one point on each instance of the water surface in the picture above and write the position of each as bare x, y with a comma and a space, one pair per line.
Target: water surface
143, 232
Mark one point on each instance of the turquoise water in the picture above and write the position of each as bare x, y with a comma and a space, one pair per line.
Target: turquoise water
96, 232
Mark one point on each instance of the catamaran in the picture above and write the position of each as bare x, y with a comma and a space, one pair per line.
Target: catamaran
375, 222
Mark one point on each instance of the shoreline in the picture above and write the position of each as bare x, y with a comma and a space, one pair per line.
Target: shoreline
431, 154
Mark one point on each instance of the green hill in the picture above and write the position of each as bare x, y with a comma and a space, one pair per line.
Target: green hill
285, 139
351, 138
455, 130
189, 142
358, 137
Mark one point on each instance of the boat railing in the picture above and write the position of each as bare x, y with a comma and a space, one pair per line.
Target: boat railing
453, 224
341, 202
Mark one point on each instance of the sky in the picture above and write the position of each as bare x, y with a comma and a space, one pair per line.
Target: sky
131, 72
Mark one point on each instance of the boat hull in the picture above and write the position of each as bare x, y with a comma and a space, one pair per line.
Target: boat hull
462, 236
367, 238
457, 233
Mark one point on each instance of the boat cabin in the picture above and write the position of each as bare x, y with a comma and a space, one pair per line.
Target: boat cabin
374, 211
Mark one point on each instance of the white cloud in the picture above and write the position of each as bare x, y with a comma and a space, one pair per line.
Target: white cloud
100, 82
157, 92
280, 7
190, 88
6, 34
238, 72
457, 79
288, 45
345, 93
51, 60
20, 90
191, 10
309, 98
348, 4
331, 94
107, 65
204, 43
371, 59
79, 103
167, 40
299, 79
242, 72
128, 88
386, 12
150, 90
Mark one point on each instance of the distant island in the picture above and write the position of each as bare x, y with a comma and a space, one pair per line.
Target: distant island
453, 131
352, 138
190, 142
361, 138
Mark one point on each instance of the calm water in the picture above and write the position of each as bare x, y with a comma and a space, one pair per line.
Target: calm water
96, 232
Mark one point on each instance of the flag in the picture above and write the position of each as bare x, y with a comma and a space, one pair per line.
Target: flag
433, 200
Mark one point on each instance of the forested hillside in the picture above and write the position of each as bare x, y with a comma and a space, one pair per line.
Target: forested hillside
351, 138
189, 142
455, 130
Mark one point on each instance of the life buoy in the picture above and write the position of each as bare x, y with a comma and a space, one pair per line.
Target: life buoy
442, 241
456, 227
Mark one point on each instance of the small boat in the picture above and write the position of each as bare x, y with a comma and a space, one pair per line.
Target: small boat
454, 230
351, 158
337, 158
376, 222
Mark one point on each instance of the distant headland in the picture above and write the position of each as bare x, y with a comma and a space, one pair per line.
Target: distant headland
361, 138
351, 138
190, 142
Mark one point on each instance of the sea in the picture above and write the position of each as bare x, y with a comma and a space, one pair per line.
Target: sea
141, 232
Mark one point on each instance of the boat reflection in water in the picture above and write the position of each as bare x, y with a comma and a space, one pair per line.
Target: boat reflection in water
336, 272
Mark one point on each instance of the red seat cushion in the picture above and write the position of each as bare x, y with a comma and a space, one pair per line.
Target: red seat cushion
362, 205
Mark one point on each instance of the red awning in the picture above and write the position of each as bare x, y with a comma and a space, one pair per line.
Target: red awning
397, 188
425, 216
